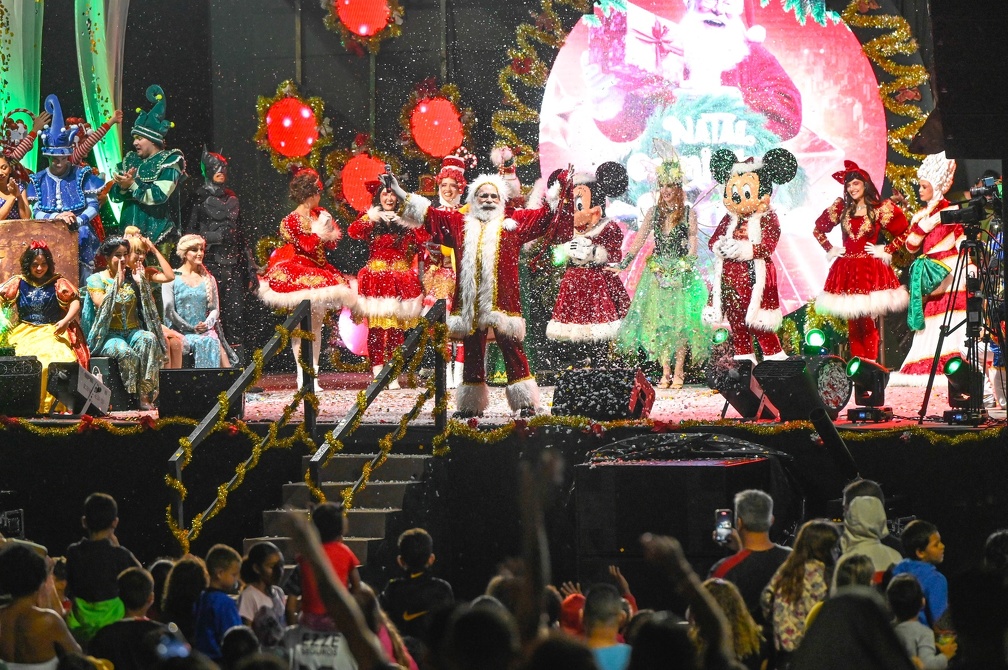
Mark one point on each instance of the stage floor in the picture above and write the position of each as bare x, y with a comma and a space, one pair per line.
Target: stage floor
691, 403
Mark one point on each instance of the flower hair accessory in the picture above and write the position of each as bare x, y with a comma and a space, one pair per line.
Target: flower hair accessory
669, 171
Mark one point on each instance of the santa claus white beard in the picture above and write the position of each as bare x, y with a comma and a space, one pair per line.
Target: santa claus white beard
488, 212
712, 49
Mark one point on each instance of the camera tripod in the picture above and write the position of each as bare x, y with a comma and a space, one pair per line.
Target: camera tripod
977, 287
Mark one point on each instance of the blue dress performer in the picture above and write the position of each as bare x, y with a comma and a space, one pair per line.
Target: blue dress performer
66, 191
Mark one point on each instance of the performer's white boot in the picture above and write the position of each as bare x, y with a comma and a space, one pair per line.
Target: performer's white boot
996, 378
455, 374
375, 369
296, 348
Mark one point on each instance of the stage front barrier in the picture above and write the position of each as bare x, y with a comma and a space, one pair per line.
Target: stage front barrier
16, 236
435, 315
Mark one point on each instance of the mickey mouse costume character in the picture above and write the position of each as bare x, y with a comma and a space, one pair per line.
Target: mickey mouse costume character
592, 302
860, 284
745, 278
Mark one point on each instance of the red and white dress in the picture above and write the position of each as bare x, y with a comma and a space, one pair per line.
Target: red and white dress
939, 244
591, 301
388, 287
299, 270
859, 286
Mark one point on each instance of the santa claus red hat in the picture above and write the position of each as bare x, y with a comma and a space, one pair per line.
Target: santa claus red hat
454, 166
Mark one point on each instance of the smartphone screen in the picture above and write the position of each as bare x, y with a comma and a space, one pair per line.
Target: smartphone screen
722, 525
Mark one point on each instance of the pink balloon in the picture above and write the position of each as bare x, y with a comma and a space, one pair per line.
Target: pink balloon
354, 336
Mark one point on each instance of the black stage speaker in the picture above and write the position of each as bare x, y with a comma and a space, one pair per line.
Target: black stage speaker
735, 382
20, 385
971, 76
800, 384
107, 371
80, 391
193, 392
603, 394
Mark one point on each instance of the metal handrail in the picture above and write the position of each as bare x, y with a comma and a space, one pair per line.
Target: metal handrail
300, 316
436, 314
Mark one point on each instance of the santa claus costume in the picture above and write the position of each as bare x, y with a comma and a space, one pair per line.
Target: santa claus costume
591, 301
860, 285
389, 294
299, 270
745, 277
931, 289
488, 243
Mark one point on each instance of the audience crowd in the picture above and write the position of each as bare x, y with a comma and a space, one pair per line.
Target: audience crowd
846, 594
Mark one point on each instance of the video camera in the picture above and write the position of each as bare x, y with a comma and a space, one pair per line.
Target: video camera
12, 524
989, 187
971, 212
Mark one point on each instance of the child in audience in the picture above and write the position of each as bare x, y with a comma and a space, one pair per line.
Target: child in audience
330, 522
125, 642
906, 600
408, 599
603, 617
926, 551
93, 567
262, 604
216, 610
186, 582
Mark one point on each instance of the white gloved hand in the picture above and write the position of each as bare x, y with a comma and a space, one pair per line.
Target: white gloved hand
393, 185
835, 252
729, 249
879, 252
579, 250
388, 217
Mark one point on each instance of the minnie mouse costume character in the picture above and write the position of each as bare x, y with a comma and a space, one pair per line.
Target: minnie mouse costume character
591, 301
745, 278
860, 284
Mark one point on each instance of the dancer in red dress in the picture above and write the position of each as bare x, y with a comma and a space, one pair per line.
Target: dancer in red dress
389, 294
592, 301
299, 270
860, 284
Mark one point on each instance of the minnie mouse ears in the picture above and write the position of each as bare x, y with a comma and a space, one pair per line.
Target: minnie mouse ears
611, 178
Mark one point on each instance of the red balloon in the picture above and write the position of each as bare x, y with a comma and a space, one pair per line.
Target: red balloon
358, 170
436, 127
291, 127
366, 18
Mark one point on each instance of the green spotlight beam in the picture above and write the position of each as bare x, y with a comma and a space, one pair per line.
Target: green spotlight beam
101, 33
21, 59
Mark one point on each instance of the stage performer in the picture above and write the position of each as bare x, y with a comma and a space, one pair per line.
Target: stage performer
121, 320
192, 307
137, 258
931, 276
665, 316
860, 284
13, 202
591, 302
216, 216
65, 190
39, 312
299, 270
389, 294
487, 243
147, 177
17, 139
745, 278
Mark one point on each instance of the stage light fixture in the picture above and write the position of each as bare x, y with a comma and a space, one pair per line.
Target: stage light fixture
816, 343
733, 380
721, 336
870, 380
800, 384
965, 393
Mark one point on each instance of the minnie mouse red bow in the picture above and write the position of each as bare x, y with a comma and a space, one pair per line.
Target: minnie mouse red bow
849, 168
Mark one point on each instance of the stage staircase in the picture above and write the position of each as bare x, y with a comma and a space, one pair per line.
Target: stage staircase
393, 501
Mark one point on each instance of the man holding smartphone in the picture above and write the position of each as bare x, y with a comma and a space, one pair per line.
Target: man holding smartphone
756, 556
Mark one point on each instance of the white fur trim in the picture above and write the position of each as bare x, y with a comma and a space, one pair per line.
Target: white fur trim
583, 178
476, 308
712, 314
538, 192
498, 155
510, 224
582, 332
524, 393
741, 167
415, 210
332, 297
325, 227
745, 251
552, 199
372, 213
473, 398
369, 307
856, 306
757, 317
779, 356
497, 181
599, 255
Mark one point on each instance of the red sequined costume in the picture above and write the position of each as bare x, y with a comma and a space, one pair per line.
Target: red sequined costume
860, 286
745, 289
389, 294
299, 270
